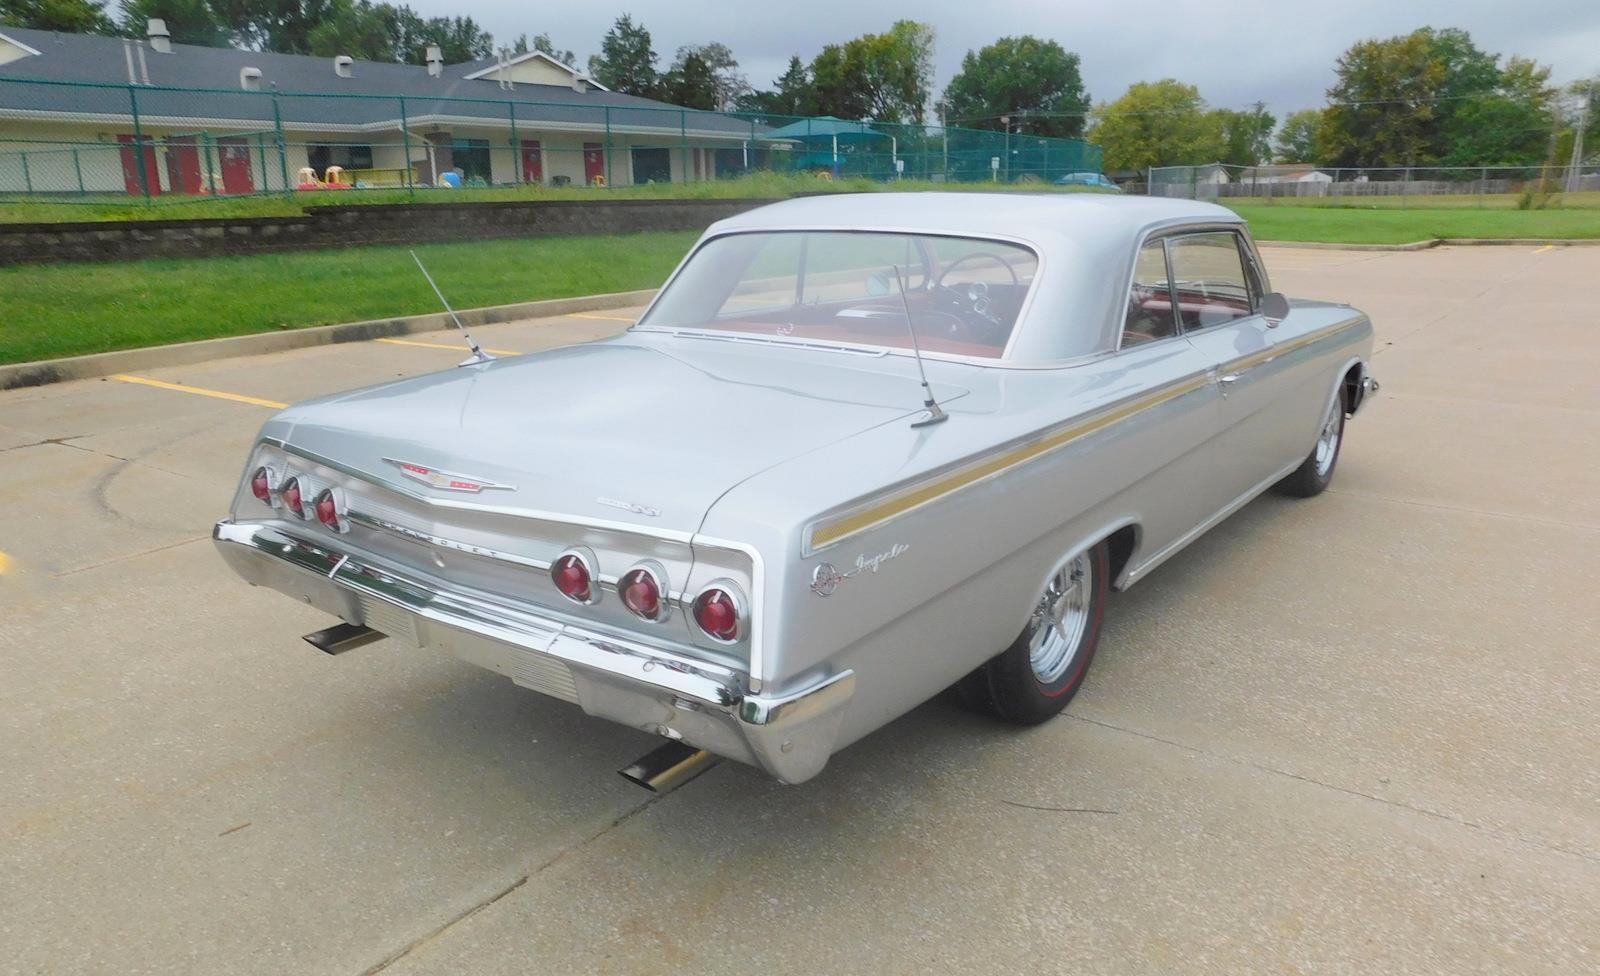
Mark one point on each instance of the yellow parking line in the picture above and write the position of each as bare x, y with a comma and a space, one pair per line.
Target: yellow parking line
605, 318
1547, 247
199, 391
5, 564
441, 345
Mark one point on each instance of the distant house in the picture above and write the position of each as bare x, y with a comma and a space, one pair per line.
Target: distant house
1283, 173
81, 113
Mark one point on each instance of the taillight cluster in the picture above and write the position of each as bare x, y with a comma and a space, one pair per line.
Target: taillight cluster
326, 507
718, 610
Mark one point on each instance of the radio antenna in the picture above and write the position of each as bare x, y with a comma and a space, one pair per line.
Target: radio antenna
478, 355
936, 414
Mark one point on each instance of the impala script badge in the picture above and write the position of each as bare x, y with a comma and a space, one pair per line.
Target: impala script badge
827, 577
448, 480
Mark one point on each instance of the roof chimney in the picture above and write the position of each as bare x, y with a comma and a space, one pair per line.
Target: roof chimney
250, 79
435, 60
160, 38
580, 84
342, 66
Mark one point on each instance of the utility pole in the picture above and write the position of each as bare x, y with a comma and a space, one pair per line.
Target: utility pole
1576, 163
1005, 120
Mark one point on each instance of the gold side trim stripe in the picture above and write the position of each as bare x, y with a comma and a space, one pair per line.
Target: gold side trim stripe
1269, 354
199, 391
829, 532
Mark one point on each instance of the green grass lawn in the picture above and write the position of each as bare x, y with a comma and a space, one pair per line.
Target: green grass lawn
1389, 225
68, 310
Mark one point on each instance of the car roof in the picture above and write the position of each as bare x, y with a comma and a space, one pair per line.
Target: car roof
1035, 217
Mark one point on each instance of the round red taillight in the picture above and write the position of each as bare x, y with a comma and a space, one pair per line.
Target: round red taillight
327, 509
291, 497
574, 577
261, 485
718, 611
641, 589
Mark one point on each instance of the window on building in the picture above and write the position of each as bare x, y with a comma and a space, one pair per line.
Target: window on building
652, 166
321, 156
471, 157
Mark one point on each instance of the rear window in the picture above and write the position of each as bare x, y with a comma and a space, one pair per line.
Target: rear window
963, 294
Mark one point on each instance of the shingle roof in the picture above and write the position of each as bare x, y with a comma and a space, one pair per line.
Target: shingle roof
304, 85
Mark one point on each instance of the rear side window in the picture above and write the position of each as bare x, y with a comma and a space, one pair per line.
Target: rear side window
1150, 300
1210, 280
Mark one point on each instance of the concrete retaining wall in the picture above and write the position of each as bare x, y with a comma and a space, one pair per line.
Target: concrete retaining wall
342, 226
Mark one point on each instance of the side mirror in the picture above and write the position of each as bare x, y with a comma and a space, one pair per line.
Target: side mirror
1274, 307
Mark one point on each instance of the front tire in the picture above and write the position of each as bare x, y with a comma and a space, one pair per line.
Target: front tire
1034, 679
1316, 471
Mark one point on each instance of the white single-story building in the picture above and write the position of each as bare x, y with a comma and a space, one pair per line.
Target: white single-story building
1283, 173
88, 114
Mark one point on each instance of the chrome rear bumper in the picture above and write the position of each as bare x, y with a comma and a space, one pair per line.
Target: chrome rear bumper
790, 736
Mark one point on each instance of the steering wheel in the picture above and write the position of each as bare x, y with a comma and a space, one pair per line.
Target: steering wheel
971, 309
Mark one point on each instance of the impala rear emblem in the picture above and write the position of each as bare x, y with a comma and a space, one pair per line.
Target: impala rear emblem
448, 480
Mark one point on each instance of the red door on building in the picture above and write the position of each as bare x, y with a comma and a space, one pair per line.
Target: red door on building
135, 182
235, 153
532, 162
183, 164
594, 162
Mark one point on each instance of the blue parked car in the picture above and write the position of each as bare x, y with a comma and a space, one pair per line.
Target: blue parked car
1096, 180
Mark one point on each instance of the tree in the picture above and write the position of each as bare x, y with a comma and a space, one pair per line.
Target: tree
690, 82
1245, 138
728, 83
383, 32
792, 94
1035, 82
68, 16
1297, 140
885, 76
543, 44
1382, 104
284, 26
1157, 123
1510, 125
188, 21
1468, 73
626, 62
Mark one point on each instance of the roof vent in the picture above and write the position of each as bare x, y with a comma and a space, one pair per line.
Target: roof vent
342, 66
160, 38
435, 61
250, 79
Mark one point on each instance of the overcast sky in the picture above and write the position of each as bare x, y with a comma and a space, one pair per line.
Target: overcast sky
1235, 51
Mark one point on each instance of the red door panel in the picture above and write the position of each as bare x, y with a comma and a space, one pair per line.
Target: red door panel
594, 162
235, 153
132, 180
532, 162
183, 164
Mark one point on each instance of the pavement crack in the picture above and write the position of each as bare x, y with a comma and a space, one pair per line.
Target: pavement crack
534, 872
132, 555
1450, 818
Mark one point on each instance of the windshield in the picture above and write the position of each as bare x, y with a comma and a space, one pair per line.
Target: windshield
964, 293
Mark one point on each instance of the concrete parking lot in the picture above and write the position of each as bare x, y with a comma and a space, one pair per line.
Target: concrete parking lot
1358, 733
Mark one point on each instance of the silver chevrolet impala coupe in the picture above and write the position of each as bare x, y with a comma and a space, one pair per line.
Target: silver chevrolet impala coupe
859, 449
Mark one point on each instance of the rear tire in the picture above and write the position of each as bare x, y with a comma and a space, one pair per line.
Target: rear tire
1034, 679
1316, 471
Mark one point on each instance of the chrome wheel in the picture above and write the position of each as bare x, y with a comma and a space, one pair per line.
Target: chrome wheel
1328, 440
1061, 620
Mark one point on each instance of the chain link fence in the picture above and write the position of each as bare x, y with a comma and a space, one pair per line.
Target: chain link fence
68, 141
1394, 186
